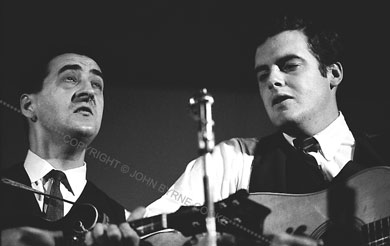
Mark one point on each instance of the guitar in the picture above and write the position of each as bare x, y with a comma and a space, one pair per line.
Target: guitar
350, 213
355, 212
236, 214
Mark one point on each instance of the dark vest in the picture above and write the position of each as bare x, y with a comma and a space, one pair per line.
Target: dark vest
17, 203
277, 166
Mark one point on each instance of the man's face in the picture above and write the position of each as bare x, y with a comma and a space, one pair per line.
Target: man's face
71, 101
291, 86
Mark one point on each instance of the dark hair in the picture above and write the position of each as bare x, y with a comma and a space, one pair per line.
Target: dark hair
36, 65
324, 41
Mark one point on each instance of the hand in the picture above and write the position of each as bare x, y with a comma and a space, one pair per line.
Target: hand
29, 236
284, 239
110, 234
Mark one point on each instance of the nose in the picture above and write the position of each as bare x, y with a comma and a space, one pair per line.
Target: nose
85, 93
275, 78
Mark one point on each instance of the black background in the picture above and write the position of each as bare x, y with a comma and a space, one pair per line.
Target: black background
156, 54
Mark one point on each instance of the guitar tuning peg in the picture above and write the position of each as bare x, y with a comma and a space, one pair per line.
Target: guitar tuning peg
223, 221
195, 224
235, 202
222, 205
237, 220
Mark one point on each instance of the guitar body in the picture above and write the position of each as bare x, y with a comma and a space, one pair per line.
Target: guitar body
359, 201
351, 213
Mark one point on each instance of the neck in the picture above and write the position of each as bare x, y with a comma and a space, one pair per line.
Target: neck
61, 154
308, 127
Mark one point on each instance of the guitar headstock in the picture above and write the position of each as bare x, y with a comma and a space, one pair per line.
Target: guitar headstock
236, 215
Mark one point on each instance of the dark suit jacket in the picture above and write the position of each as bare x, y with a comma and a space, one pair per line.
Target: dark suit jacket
18, 205
277, 166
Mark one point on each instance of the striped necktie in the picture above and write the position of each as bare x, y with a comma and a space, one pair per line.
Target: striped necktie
307, 145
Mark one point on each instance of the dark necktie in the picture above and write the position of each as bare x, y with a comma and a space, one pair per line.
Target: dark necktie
307, 145
55, 207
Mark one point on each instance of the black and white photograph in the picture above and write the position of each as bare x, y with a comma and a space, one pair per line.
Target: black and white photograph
176, 123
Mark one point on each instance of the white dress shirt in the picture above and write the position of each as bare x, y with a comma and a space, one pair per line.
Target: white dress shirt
230, 168
37, 168
337, 146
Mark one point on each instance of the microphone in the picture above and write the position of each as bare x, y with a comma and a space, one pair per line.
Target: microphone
200, 105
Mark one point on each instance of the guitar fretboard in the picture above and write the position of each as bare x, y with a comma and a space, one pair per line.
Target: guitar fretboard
149, 225
377, 233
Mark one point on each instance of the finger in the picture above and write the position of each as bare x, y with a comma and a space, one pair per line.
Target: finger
27, 236
98, 233
286, 239
35, 236
88, 239
137, 213
113, 234
129, 236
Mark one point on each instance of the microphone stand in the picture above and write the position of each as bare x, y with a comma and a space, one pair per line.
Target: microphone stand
200, 105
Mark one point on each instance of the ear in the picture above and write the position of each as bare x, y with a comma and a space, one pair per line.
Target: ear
335, 73
27, 106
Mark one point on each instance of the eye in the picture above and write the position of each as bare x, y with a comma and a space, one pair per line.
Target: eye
291, 66
262, 76
97, 84
70, 79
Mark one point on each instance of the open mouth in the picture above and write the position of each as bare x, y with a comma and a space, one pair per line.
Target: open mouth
84, 110
280, 99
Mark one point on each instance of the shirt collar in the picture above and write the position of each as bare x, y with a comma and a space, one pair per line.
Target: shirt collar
332, 137
37, 168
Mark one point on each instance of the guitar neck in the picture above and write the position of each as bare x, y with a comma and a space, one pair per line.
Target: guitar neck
147, 226
236, 215
377, 232
150, 225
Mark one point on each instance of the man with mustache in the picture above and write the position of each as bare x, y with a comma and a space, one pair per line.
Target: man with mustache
63, 103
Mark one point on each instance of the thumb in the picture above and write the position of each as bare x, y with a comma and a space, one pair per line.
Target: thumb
137, 213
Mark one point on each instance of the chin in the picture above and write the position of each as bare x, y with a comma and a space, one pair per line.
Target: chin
85, 132
279, 120
283, 122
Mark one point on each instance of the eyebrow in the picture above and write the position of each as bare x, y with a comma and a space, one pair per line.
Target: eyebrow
78, 67
97, 72
278, 61
258, 69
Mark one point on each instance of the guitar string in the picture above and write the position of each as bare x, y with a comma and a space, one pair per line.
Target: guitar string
260, 237
372, 230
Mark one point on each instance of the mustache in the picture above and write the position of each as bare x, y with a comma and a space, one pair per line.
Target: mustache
84, 97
